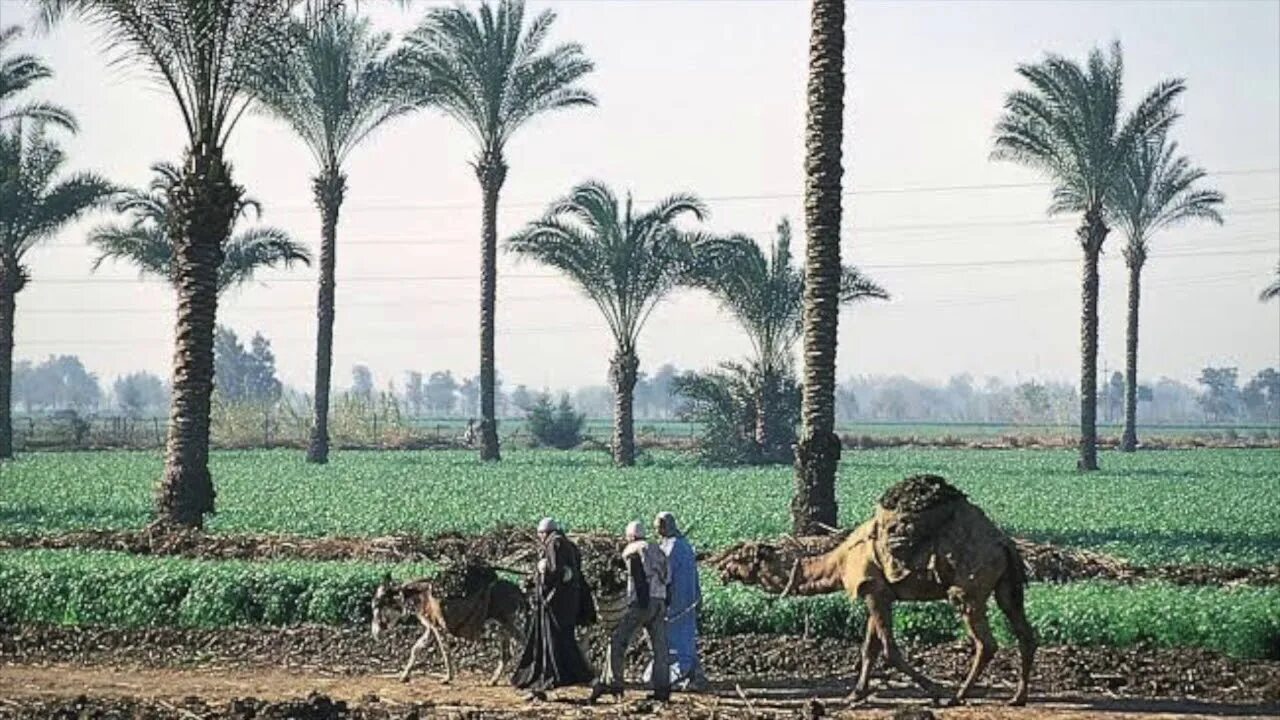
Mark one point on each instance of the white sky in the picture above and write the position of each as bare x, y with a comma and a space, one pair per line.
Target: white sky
708, 97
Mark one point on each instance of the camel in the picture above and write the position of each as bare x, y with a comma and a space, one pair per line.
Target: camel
500, 603
963, 557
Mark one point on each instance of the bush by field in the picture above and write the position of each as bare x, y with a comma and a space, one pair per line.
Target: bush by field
1205, 506
113, 589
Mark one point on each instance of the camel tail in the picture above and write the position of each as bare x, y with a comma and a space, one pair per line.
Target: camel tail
1015, 574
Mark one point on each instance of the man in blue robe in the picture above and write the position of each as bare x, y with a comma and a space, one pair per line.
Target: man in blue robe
684, 602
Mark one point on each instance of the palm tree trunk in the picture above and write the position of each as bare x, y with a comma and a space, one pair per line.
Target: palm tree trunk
818, 449
492, 172
203, 203
329, 189
1129, 441
763, 407
623, 371
1091, 234
10, 281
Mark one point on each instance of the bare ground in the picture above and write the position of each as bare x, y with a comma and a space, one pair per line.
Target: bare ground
314, 672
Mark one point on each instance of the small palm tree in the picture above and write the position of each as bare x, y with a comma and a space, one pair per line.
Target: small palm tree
1158, 189
813, 506
19, 72
36, 205
144, 240
1272, 291
1068, 127
626, 263
205, 52
335, 88
766, 295
487, 71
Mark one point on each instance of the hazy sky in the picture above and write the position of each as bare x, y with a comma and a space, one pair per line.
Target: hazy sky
708, 97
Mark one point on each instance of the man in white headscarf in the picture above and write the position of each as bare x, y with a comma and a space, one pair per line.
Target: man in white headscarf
684, 601
647, 579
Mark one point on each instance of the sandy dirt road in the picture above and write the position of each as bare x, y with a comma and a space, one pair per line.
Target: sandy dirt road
23, 687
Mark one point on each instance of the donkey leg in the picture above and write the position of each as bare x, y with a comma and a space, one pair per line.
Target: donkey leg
984, 644
882, 608
506, 637
420, 645
1009, 598
444, 652
870, 651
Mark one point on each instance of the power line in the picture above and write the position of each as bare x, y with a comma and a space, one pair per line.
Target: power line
1269, 209
750, 197
519, 276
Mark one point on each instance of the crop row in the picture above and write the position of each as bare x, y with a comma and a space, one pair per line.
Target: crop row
1205, 506
112, 589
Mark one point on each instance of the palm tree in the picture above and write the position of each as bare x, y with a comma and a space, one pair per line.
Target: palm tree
626, 263
1157, 189
145, 241
486, 71
37, 204
19, 72
1068, 127
334, 89
205, 52
818, 449
1272, 291
766, 295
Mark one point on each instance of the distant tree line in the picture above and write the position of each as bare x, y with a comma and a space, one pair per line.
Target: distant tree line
247, 374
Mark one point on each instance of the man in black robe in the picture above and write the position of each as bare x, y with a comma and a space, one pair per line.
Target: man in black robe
552, 657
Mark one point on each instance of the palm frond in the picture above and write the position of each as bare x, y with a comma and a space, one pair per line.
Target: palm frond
144, 240
337, 84
1272, 291
252, 250
19, 73
206, 52
1067, 125
626, 263
765, 293
1159, 188
488, 70
37, 200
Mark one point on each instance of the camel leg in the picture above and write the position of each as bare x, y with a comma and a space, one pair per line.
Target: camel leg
418, 646
984, 644
882, 608
1009, 598
870, 651
444, 652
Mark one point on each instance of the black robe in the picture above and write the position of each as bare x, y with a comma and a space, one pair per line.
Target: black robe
552, 657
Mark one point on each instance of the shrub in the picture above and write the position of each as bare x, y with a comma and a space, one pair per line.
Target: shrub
558, 428
727, 404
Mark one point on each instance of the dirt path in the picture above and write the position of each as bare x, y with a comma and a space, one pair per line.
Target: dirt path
225, 692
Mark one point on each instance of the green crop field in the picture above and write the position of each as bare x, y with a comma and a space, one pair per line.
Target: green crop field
1198, 506
114, 589
1212, 506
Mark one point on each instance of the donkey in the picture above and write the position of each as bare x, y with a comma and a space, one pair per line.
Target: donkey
500, 605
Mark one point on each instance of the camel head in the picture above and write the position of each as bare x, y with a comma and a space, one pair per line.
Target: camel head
765, 565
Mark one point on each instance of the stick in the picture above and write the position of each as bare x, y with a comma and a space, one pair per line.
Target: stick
751, 708
178, 710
